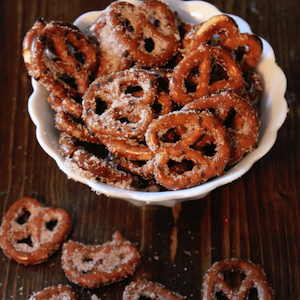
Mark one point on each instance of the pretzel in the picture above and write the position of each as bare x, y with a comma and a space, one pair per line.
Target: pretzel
239, 117
149, 43
94, 266
192, 166
26, 235
113, 56
59, 292
120, 104
149, 290
229, 38
214, 281
92, 160
65, 105
130, 149
205, 57
64, 72
74, 127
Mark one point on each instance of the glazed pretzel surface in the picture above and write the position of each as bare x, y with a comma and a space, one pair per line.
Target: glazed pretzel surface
255, 279
93, 266
25, 235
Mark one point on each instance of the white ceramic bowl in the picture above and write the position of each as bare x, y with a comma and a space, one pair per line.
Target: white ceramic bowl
273, 112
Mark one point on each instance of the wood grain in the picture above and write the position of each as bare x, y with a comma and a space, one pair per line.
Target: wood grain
256, 217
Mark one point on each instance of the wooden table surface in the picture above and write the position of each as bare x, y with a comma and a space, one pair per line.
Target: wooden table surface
256, 217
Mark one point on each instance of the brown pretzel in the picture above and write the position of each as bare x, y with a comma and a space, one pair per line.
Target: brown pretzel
93, 161
74, 127
31, 34
125, 115
138, 167
59, 292
54, 64
193, 165
156, 134
229, 38
26, 235
130, 149
239, 117
149, 44
214, 281
204, 58
113, 56
150, 290
94, 266
254, 86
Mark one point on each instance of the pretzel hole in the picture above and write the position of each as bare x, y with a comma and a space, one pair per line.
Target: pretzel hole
51, 225
192, 80
240, 52
180, 168
145, 298
155, 22
220, 296
170, 136
98, 150
70, 81
253, 294
234, 279
124, 120
157, 107
24, 217
134, 90
101, 106
218, 73
26, 241
77, 54
149, 45
86, 259
75, 119
206, 144
127, 25
208, 149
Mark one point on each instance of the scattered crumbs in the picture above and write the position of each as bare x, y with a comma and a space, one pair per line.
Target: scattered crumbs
187, 253
185, 269
156, 257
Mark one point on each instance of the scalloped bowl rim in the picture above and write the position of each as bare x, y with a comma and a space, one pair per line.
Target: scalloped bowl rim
273, 109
